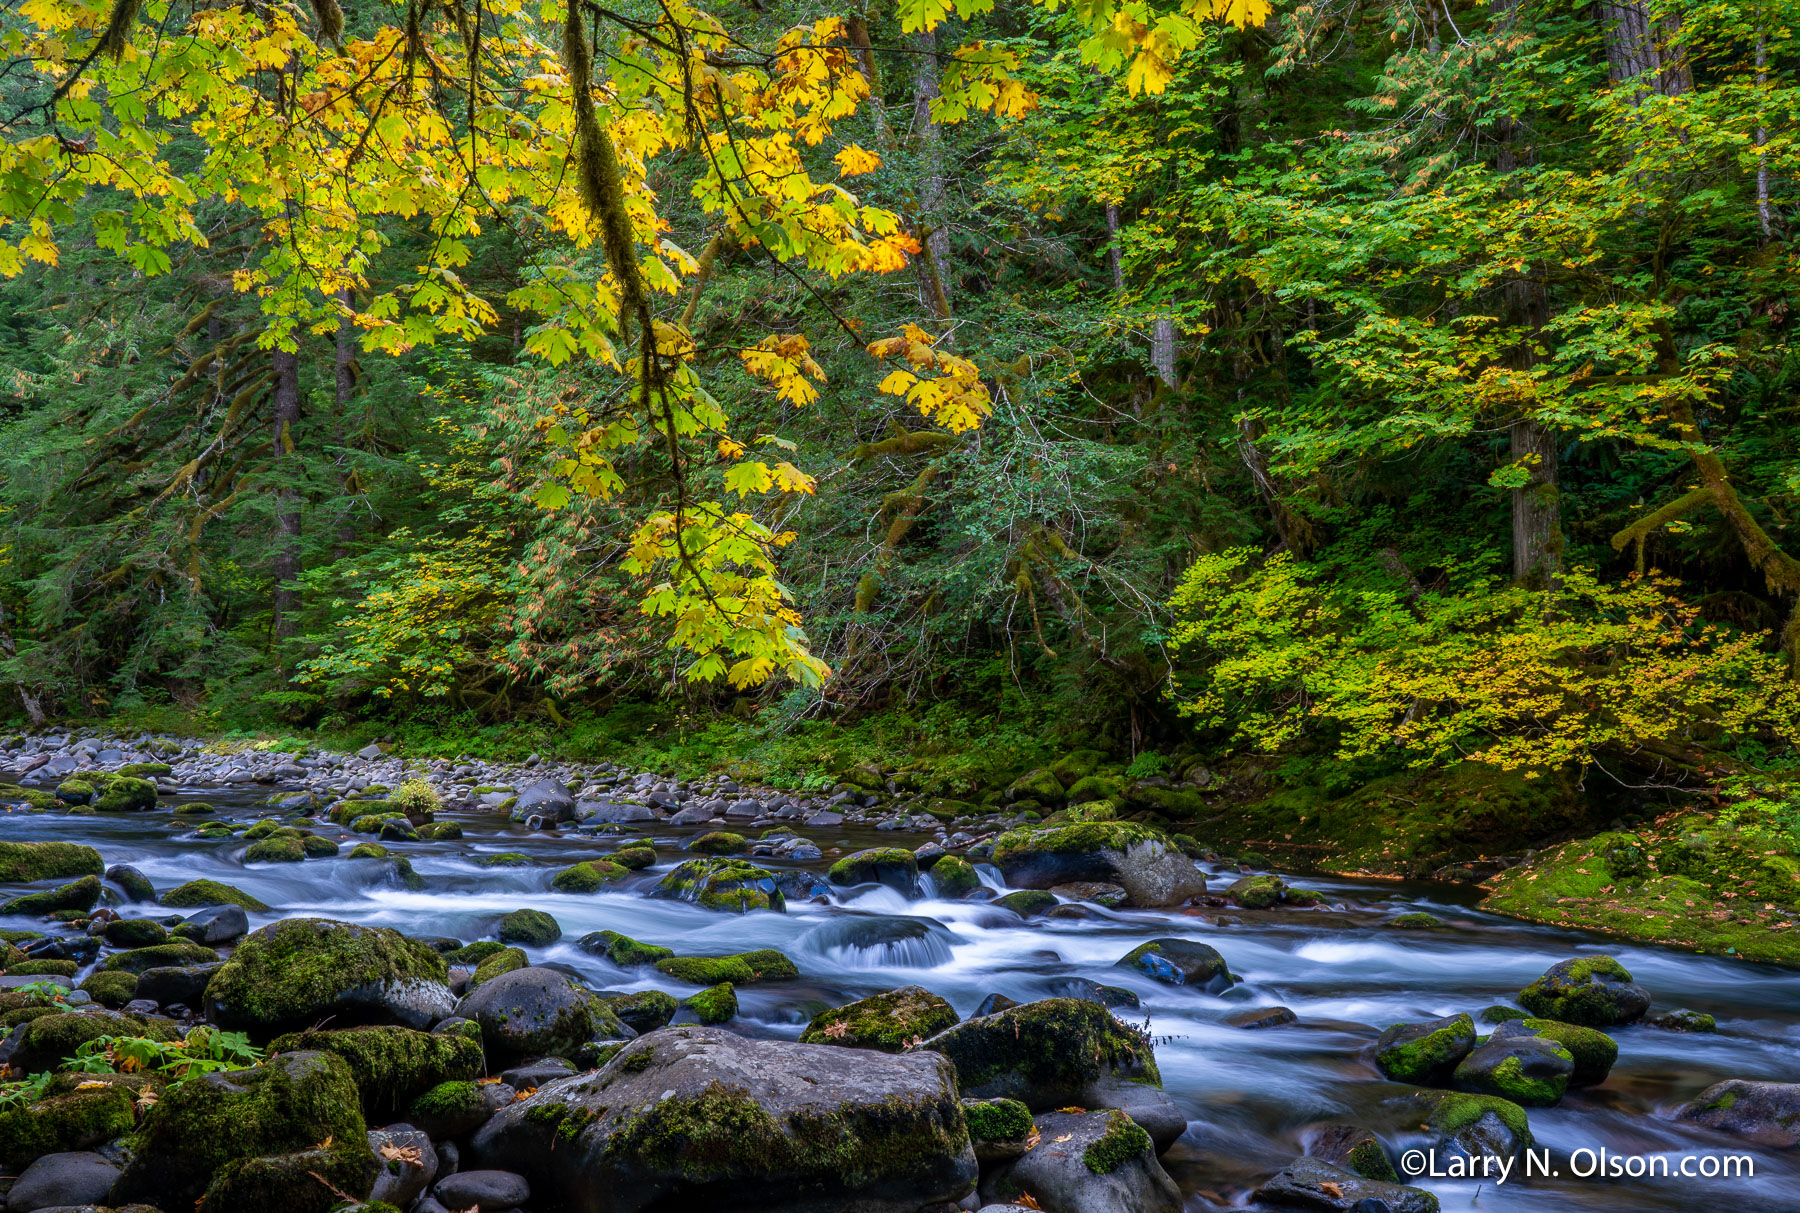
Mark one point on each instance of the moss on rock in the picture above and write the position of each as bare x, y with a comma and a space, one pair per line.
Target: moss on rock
889, 1022
715, 1005
73, 1120
623, 950
589, 876
83, 894
30, 862
275, 850
744, 968
636, 858
895, 867
299, 970
995, 1119
124, 793
1596, 991
719, 842
391, 1066
954, 877
198, 893
113, 989
1027, 903
173, 954
1592, 1050
506, 960
533, 928
1046, 1053
1425, 1052
474, 953
727, 885
1122, 1142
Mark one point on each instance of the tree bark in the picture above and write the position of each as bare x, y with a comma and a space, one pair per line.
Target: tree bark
1536, 508
928, 138
1764, 217
1645, 51
1113, 260
286, 562
34, 707
345, 358
1162, 349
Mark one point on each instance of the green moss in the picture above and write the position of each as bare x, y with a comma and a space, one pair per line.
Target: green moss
30, 862
275, 850
1499, 1013
75, 791
197, 893
456, 1101
316, 847
1259, 892
715, 1005
505, 859
1083, 838
1417, 921
744, 968
163, 955
996, 1119
1456, 1111
113, 989
533, 928
589, 876
368, 850
42, 968
1097, 810
954, 877
145, 770
440, 831
1122, 1142
294, 972
722, 884
261, 829
391, 1066
1368, 1159
1027, 903
1404, 1053
247, 1139
1510, 1081
475, 953
48, 1039
635, 858
623, 950
77, 1120
1592, 1050
1567, 994
887, 1022
81, 894
123, 793
895, 864
719, 842
1050, 1049
506, 960
644, 1011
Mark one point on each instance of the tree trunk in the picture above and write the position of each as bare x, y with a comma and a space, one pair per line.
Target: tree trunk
1113, 260
1764, 217
928, 137
1162, 349
1536, 508
1645, 51
34, 708
346, 389
286, 562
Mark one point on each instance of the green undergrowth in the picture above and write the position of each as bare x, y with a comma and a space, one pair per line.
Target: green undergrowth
1688, 882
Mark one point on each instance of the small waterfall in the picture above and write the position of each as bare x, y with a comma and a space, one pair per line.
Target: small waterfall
858, 942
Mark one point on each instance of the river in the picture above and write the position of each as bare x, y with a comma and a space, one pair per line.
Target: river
1249, 1094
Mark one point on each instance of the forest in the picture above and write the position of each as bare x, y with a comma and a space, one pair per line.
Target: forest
1102, 445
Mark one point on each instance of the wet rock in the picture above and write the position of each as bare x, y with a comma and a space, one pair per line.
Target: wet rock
622, 950
894, 867
535, 1012
1528, 1070
1417, 921
408, 1163
1477, 1126
532, 928
1140, 860
885, 1022
1427, 1052
1091, 991
135, 933
694, 815
81, 894
1095, 892
215, 925
1088, 1161
534, 1074
1179, 962
62, 1180
1592, 1050
390, 1065
1313, 1184
1353, 1148
196, 893
1258, 892
1254, 1018
644, 1011
1592, 991
456, 1109
619, 812
994, 1003
1767, 1113
183, 984
132, 883
954, 877
484, 1190
1684, 1021
744, 968
713, 1005
547, 799
729, 885
999, 1128
698, 1118
299, 971
279, 1113
1028, 903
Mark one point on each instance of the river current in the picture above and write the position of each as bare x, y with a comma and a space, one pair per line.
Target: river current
1250, 1095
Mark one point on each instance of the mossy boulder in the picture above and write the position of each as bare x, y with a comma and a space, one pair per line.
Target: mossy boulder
145, 770
644, 1011
894, 867
702, 1118
589, 876
1426, 1052
1314, 1184
30, 862
727, 885
535, 1012
714, 1005
390, 1065
888, 1023
1097, 789
67, 1119
503, 859
75, 791
1179, 962
636, 858
275, 850
113, 989
1077, 765
1139, 859
83, 894
452, 1109
1353, 1148
743, 968
1258, 892
999, 1128
296, 972
1593, 1051
42, 968
506, 960
316, 847
954, 877
197, 893
1028, 903
1684, 1020
125, 793
622, 950
1480, 1126
1591, 991
248, 1139
1039, 785
440, 831
1530, 1071
1086, 1160
1418, 920
46, 1040
473, 953
531, 928
175, 953
135, 932
1766, 1113
719, 842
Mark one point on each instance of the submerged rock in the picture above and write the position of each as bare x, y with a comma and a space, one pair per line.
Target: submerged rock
299, 971
700, 1118
1179, 962
1478, 1126
1314, 1184
863, 941
730, 885
1151, 870
1088, 1161
894, 867
1767, 1113
1592, 991
1353, 1148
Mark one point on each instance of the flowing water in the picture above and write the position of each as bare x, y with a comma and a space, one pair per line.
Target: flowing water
1249, 1094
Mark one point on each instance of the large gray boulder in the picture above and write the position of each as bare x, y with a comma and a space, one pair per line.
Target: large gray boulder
1315, 1185
535, 1012
1767, 1113
701, 1118
546, 799
1088, 1162
300, 971
1151, 870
